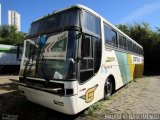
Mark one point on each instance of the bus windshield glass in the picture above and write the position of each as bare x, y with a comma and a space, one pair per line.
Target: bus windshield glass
52, 60
55, 21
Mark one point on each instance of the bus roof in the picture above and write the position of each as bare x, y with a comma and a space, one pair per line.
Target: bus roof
95, 13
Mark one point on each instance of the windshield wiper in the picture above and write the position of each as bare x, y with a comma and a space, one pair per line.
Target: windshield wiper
42, 63
43, 69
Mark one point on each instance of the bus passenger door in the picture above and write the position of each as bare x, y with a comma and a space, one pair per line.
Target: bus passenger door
87, 62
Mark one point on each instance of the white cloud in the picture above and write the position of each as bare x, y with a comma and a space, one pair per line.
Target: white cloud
140, 13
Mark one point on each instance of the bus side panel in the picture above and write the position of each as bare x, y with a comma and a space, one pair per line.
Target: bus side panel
123, 66
113, 66
138, 71
131, 67
137, 65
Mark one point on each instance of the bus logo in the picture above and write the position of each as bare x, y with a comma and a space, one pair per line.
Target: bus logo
89, 95
58, 103
110, 59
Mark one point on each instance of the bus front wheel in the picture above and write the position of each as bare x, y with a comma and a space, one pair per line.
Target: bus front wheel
108, 88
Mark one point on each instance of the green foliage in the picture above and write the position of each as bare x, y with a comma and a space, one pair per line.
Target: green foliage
92, 108
10, 36
150, 40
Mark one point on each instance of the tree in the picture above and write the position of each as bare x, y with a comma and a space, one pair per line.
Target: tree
150, 40
9, 35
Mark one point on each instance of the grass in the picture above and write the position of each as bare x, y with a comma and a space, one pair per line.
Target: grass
137, 84
94, 107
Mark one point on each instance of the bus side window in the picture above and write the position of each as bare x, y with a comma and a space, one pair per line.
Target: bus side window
122, 42
134, 48
91, 23
142, 53
129, 45
125, 43
110, 36
86, 47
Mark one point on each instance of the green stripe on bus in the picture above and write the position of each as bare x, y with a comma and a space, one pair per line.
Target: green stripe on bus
6, 50
123, 66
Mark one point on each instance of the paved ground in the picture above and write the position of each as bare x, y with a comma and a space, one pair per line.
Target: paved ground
141, 96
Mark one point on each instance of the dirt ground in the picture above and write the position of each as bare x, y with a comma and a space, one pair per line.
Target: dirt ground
141, 96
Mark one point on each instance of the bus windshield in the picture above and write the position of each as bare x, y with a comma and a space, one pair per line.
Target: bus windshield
55, 21
52, 60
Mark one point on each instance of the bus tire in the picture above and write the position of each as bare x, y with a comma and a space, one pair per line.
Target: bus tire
108, 88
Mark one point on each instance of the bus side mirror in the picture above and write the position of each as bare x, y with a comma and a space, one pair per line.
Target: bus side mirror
19, 52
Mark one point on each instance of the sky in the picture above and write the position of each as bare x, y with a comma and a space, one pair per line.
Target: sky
115, 11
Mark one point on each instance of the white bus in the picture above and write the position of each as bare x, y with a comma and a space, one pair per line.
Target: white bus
74, 58
8, 58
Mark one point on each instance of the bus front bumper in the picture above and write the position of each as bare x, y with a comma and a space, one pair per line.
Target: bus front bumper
64, 104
